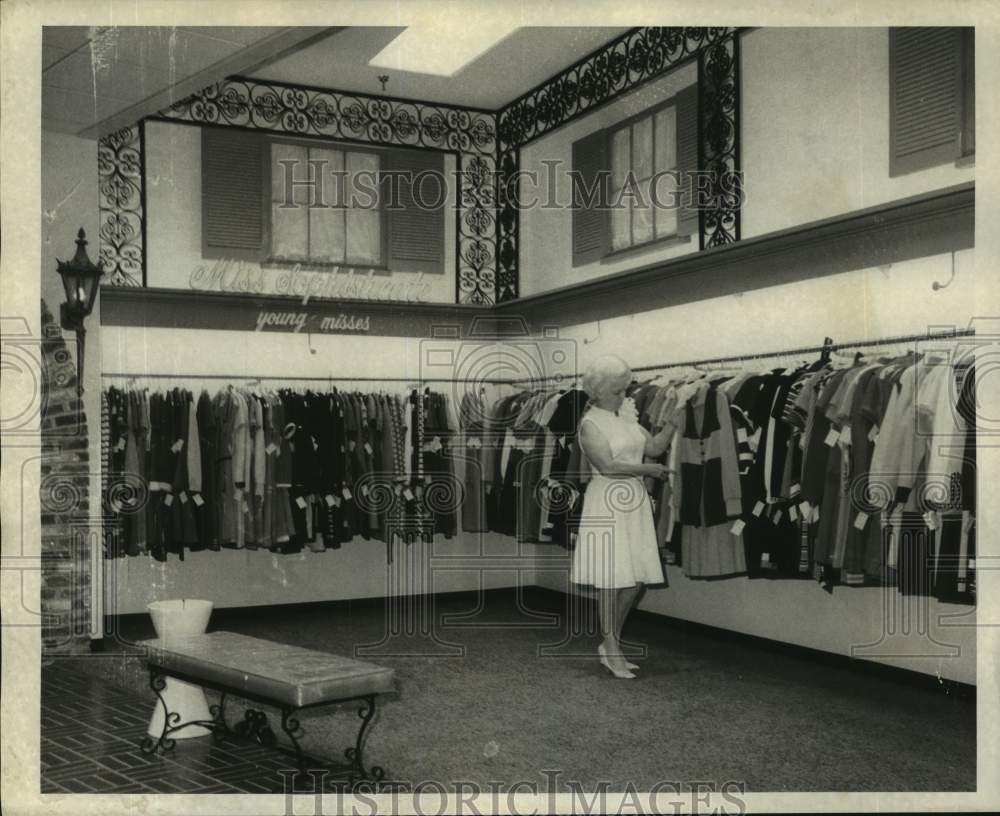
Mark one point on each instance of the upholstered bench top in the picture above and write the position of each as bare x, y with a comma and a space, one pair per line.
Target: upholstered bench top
275, 671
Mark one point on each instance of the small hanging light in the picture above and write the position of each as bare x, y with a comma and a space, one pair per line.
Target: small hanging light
81, 279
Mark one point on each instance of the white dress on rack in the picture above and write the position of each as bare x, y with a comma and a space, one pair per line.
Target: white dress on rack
616, 543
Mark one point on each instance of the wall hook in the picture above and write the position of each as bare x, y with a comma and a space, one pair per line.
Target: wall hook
937, 285
587, 341
383, 78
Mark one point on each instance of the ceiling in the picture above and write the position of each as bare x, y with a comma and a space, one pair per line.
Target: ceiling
97, 79
514, 66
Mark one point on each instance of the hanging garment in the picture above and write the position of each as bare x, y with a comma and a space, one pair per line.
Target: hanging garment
472, 419
710, 496
616, 539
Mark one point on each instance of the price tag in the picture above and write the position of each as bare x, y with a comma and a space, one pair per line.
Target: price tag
121, 444
238, 494
178, 444
368, 449
930, 519
815, 514
197, 499
183, 496
845, 435
351, 445
765, 558
408, 494
168, 500
793, 513
758, 508
337, 501
794, 490
345, 493
364, 490
301, 502
314, 443
860, 520
741, 434
873, 433
832, 437
329, 499
777, 518
271, 448
737, 527
972, 563
806, 510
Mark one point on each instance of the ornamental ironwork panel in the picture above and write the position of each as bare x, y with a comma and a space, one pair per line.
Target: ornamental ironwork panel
718, 113
487, 145
120, 179
634, 58
300, 111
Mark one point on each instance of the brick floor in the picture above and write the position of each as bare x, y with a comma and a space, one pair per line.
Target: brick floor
90, 737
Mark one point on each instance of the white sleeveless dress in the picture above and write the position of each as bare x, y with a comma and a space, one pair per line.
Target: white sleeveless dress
616, 544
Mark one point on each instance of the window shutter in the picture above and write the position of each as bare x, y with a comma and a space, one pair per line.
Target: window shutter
687, 159
925, 98
232, 188
416, 234
590, 215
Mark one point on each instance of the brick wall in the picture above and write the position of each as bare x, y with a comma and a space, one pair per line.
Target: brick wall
64, 498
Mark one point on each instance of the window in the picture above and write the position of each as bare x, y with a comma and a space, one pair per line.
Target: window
625, 181
931, 97
332, 220
352, 218
643, 171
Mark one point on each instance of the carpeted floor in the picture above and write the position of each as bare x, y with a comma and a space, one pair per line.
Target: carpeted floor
524, 694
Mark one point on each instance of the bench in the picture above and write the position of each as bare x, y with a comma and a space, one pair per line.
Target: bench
289, 678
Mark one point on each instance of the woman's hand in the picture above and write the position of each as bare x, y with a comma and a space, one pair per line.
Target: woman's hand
657, 471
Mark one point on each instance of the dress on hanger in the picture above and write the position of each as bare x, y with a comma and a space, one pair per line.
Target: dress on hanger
616, 543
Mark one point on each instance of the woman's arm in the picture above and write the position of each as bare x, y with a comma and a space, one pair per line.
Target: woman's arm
598, 451
658, 443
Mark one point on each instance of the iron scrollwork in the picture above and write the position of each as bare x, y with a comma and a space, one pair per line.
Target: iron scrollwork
488, 145
119, 171
300, 111
624, 64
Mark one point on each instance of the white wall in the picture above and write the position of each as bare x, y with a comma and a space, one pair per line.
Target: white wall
867, 303
815, 127
814, 143
173, 216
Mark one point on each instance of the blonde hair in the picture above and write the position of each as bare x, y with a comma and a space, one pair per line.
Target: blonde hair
603, 371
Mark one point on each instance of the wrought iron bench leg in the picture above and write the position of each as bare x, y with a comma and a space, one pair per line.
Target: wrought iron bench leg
171, 719
355, 755
291, 728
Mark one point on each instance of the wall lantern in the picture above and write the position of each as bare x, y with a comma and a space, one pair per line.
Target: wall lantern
80, 279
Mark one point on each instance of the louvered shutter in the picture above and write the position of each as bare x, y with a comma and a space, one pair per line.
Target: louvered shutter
687, 159
590, 198
232, 194
416, 233
925, 98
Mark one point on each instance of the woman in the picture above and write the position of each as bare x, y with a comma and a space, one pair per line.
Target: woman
616, 548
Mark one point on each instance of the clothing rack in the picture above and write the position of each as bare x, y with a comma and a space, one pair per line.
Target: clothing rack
416, 383
826, 348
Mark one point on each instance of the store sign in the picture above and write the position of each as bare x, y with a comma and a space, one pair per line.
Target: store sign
310, 322
336, 283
